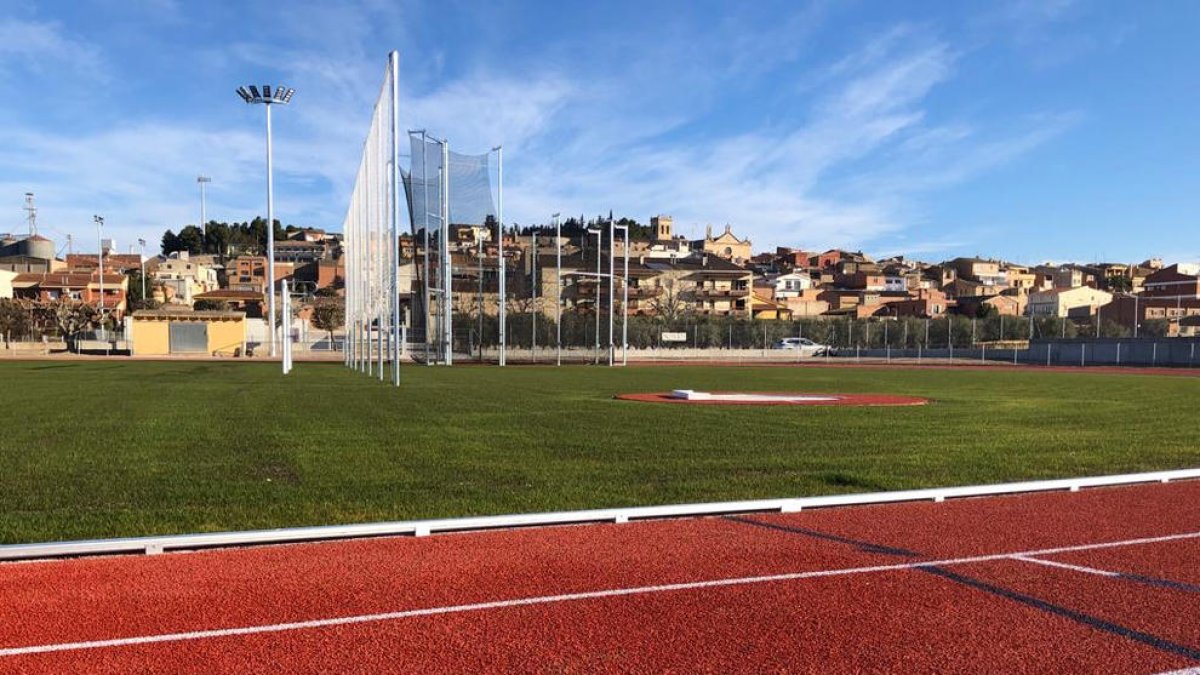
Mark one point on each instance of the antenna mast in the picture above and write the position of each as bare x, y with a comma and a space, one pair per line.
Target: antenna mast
31, 213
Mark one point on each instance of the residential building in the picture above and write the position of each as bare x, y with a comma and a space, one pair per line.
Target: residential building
1128, 309
250, 302
83, 287
1003, 305
1179, 280
301, 251
985, 272
789, 285
121, 263
927, 303
6, 285
1021, 278
767, 309
179, 278
1079, 302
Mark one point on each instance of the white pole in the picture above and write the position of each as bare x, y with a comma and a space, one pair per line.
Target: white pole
625, 306
100, 259
612, 245
394, 235
533, 300
284, 360
447, 281
500, 254
558, 288
596, 304
270, 238
142, 243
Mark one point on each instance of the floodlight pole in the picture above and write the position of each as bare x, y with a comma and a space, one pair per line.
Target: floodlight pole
558, 288
100, 258
283, 96
142, 258
503, 287
203, 180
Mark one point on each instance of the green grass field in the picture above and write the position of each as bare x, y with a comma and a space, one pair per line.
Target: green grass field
101, 449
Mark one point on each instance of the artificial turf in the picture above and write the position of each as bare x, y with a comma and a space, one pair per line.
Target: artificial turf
102, 449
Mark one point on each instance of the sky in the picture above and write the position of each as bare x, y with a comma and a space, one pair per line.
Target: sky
1030, 130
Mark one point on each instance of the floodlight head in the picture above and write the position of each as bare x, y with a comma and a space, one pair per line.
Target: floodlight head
98, 220
203, 179
267, 94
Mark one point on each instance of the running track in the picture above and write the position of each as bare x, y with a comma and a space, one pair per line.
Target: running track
1106, 579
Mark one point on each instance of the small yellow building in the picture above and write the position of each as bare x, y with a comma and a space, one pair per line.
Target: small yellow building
159, 333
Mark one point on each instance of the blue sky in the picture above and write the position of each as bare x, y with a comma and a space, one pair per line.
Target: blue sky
1032, 130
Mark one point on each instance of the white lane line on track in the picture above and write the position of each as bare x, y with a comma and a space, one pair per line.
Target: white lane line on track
568, 597
1066, 566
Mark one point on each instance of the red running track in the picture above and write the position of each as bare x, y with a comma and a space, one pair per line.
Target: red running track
1106, 579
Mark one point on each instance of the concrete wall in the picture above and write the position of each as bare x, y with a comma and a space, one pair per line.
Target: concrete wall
227, 336
151, 337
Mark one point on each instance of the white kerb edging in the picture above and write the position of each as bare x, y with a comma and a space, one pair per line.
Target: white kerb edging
161, 544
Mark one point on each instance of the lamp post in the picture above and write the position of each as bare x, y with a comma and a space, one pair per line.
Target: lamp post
268, 97
100, 258
142, 257
202, 181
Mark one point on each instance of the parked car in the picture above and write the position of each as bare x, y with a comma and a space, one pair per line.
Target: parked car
805, 346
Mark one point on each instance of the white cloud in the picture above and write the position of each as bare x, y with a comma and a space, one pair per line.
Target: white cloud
43, 47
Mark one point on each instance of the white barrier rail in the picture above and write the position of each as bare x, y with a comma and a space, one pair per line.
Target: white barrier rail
160, 544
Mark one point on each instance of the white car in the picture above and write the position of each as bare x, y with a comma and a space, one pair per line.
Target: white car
805, 346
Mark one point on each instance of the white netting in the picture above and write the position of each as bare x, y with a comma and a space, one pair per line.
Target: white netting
371, 248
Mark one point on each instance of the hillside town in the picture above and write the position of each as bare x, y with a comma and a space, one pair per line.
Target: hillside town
669, 276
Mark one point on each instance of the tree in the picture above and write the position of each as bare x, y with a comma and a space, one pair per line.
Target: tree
210, 305
1120, 284
669, 304
328, 314
15, 322
171, 243
191, 239
72, 317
